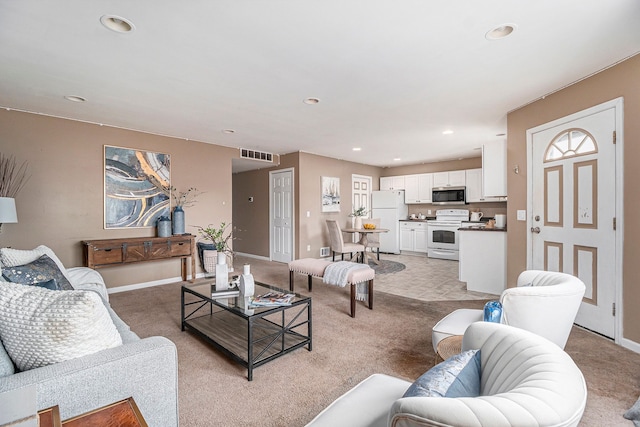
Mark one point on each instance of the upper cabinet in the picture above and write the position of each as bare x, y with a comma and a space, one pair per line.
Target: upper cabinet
449, 179
494, 168
475, 192
392, 183
418, 188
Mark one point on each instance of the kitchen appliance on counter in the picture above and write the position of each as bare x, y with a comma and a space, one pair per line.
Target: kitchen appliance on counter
449, 196
442, 233
389, 206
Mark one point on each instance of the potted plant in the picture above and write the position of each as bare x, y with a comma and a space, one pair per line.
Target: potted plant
221, 238
358, 214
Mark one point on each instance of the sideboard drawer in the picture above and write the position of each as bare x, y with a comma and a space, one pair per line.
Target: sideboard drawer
106, 255
181, 248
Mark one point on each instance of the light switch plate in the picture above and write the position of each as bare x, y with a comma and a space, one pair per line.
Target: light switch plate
522, 215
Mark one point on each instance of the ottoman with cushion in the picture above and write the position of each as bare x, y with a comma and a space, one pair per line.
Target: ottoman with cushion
360, 275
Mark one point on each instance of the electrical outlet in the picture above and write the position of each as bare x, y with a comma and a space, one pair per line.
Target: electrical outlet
308, 214
308, 248
522, 215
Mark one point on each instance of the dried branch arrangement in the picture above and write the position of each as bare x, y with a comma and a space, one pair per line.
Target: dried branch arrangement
12, 176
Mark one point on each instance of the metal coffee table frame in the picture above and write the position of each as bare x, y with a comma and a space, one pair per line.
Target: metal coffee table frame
252, 337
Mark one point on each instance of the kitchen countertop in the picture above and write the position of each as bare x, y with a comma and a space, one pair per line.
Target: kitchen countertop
481, 228
429, 218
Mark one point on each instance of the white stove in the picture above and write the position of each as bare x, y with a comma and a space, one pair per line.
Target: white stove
443, 238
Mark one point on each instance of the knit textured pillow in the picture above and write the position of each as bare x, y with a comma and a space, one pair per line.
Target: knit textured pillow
39, 327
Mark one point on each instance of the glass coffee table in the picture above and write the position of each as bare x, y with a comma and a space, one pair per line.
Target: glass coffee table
252, 336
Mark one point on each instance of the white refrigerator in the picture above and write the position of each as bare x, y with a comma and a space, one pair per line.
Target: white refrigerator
389, 206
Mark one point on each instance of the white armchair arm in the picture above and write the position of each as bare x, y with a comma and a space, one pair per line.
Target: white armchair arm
83, 278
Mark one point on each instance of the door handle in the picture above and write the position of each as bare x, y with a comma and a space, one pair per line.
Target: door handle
535, 230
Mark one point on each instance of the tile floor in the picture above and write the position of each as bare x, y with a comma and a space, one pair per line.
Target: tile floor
426, 279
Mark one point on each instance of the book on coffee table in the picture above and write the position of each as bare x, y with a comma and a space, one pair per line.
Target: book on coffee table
272, 299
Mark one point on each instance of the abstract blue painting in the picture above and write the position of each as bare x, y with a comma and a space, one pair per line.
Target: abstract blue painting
136, 187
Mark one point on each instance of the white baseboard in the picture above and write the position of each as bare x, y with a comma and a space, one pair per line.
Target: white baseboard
264, 258
631, 345
148, 284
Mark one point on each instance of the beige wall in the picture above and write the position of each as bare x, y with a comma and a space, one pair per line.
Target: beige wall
621, 80
62, 204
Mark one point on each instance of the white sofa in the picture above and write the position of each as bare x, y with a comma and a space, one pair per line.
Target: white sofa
146, 369
543, 302
526, 380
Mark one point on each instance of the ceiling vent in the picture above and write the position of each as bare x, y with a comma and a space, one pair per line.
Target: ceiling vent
256, 155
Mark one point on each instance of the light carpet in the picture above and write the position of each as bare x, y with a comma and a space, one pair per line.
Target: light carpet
394, 338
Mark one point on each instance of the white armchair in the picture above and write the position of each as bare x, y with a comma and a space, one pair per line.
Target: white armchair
525, 381
543, 302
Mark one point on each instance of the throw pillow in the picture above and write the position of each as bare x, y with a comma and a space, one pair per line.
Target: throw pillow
10, 257
40, 270
458, 376
39, 327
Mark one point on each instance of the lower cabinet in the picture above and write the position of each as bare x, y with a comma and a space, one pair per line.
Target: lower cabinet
413, 236
483, 260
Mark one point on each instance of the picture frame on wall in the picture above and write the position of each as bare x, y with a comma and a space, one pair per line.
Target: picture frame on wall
330, 194
136, 187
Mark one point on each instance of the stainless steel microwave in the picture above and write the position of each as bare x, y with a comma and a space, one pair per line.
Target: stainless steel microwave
448, 195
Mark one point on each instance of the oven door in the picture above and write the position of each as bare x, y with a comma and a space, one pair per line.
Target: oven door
442, 236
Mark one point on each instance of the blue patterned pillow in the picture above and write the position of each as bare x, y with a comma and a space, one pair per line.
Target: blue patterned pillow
41, 270
458, 376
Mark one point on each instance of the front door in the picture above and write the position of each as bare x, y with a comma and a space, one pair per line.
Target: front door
572, 181
281, 235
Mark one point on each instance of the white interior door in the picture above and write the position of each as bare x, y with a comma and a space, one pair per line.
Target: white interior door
572, 181
281, 235
360, 196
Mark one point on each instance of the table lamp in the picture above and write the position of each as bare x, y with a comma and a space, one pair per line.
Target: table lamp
8, 212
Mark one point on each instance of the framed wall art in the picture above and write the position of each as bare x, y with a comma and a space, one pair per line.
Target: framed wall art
330, 194
136, 187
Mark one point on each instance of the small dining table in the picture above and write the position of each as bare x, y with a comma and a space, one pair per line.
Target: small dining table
364, 240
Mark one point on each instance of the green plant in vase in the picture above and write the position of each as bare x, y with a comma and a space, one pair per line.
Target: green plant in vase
358, 214
221, 238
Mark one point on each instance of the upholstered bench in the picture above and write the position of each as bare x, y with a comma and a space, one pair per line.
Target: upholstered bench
313, 267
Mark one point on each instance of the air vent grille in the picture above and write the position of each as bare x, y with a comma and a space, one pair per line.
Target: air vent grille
245, 153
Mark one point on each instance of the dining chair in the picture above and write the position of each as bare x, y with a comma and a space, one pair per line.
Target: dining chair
338, 244
373, 239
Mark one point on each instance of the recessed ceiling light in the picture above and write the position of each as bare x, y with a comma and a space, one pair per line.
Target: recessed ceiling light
74, 98
447, 132
311, 101
357, 149
228, 131
500, 32
117, 23
397, 159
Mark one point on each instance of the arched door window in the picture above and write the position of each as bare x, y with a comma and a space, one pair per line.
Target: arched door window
570, 143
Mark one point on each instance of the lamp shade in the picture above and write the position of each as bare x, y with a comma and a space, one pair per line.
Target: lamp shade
8, 212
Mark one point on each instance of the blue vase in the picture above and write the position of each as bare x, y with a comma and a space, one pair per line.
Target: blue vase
493, 312
178, 220
164, 226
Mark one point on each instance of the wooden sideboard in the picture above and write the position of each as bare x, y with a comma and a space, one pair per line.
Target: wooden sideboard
112, 252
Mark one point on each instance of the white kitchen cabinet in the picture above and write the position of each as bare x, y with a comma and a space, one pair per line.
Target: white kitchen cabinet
475, 193
494, 169
483, 260
392, 183
418, 188
449, 179
413, 236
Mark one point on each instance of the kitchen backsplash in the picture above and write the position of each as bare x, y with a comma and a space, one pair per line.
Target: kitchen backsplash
488, 210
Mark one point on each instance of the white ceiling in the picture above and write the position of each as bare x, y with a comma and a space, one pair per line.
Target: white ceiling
391, 75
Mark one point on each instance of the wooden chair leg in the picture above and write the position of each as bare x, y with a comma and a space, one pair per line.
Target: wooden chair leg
333, 257
353, 300
309, 281
371, 294
378, 253
291, 280
342, 258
